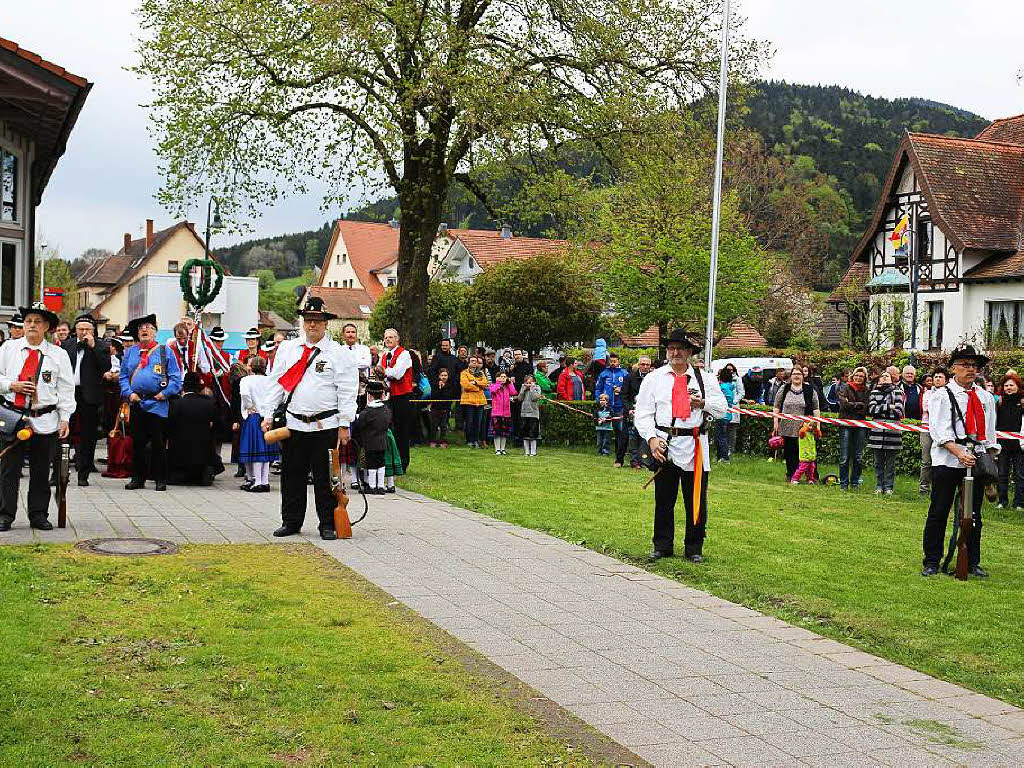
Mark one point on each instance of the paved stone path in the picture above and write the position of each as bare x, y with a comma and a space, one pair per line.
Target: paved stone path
674, 674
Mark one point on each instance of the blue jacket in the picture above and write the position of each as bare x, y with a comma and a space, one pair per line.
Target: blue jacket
607, 381
146, 383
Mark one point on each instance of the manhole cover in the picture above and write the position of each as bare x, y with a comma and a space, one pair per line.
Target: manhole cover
129, 547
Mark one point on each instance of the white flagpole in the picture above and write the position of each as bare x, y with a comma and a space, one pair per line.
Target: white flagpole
716, 215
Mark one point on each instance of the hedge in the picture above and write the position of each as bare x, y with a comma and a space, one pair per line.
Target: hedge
830, 362
560, 426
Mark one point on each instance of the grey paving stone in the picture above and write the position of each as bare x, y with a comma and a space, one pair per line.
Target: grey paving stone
677, 753
745, 751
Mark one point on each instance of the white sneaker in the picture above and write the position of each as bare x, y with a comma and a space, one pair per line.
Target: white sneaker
889, 492
1000, 506
878, 491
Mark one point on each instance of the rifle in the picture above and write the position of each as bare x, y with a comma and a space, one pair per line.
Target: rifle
342, 526
63, 475
966, 525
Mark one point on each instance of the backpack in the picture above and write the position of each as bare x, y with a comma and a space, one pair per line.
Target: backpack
808, 397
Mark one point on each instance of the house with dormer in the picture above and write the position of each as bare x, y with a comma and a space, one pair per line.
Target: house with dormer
961, 258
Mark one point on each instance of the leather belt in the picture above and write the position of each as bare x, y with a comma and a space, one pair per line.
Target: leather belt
679, 431
314, 417
31, 412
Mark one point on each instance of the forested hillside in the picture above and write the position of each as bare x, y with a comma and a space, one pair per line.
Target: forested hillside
849, 136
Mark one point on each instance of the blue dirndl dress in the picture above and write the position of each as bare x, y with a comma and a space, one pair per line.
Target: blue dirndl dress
252, 448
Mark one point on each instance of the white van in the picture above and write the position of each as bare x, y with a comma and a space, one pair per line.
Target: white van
744, 364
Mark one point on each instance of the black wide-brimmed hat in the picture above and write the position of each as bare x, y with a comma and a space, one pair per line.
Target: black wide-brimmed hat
692, 340
132, 329
124, 336
314, 310
16, 321
217, 334
968, 352
269, 345
252, 333
42, 311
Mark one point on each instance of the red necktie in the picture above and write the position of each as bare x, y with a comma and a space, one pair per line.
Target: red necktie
28, 373
144, 354
680, 397
975, 421
290, 378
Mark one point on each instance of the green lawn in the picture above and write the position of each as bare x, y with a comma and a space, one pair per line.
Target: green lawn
287, 284
235, 655
844, 565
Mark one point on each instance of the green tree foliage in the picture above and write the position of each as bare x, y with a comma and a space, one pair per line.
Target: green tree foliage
275, 256
546, 300
266, 277
651, 238
255, 97
230, 256
445, 301
281, 302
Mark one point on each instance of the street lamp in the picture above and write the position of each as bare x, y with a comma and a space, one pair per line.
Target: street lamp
216, 223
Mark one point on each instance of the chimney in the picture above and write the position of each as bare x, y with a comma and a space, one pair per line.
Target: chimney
506, 232
127, 241
149, 234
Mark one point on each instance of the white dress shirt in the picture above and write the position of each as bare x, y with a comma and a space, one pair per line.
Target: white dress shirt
331, 381
56, 385
399, 365
654, 408
360, 354
253, 389
941, 422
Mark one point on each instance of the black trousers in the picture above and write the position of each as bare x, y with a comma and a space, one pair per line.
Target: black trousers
403, 422
666, 492
40, 449
301, 454
945, 484
791, 453
88, 417
516, 410
621, 428
149, 446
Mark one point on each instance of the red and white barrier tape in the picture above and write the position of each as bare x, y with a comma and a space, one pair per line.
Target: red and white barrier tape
895, 426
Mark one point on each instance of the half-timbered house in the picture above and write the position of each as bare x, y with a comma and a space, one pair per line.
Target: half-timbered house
964, 201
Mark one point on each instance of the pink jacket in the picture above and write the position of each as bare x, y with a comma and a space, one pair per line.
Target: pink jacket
501, 399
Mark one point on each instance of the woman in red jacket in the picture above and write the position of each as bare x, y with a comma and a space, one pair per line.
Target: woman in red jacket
570, 382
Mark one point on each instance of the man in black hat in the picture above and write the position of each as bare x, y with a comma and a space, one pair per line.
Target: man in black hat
317, 383
90, 359
962, 425
36, 381
671, 410
16, 326
149, 377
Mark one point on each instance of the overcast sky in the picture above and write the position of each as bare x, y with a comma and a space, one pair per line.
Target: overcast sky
944, 50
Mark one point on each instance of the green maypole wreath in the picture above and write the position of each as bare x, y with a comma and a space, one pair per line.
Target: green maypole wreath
206, 292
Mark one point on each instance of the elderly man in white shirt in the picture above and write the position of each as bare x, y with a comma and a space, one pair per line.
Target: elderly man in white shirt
37, 381
671, 409
959, 435
318, 384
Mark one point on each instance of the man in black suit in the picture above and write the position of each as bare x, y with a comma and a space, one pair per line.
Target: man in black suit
90, 359
190, 431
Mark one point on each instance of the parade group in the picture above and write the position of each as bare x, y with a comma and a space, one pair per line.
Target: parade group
283, 404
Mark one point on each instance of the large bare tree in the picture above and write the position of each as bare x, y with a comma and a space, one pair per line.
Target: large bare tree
256, 97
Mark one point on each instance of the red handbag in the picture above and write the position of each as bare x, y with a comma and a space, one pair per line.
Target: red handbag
119, 447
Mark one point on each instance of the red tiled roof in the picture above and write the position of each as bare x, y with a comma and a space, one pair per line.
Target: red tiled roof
56, 69
851, 287
645, 340
1009, 130
489, 247
742, 336
370, 246
998, 268
343, 302
976, 188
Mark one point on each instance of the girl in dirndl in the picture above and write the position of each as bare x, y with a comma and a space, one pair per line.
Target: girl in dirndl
254, 452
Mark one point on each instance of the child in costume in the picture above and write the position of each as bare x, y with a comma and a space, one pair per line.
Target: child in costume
253, 451
370, 429
808, 466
